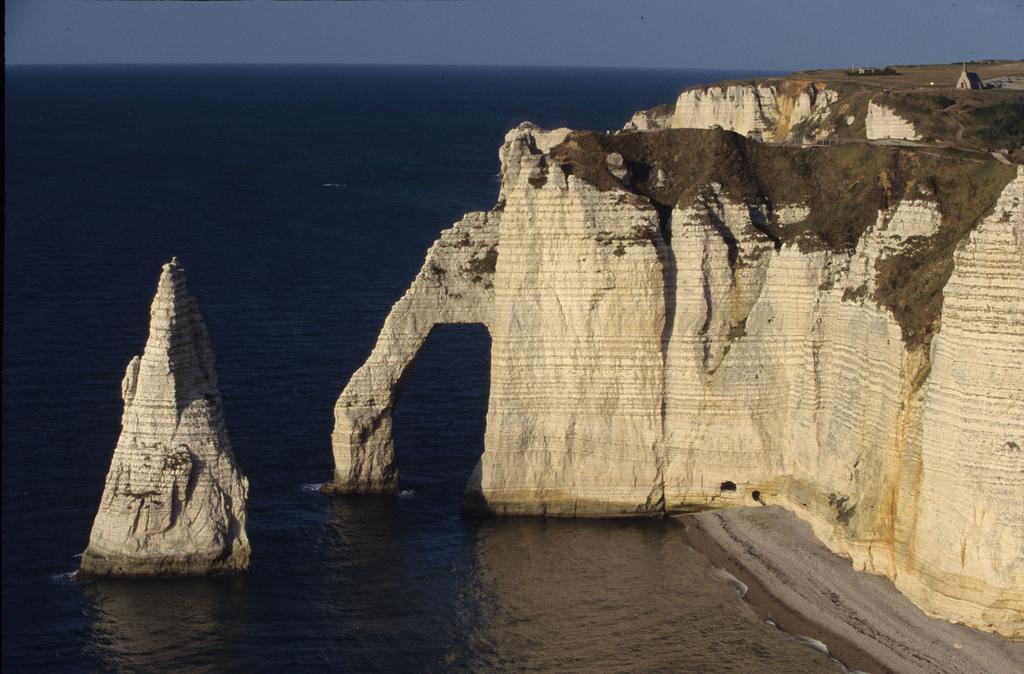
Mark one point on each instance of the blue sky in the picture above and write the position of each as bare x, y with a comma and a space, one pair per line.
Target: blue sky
756, 34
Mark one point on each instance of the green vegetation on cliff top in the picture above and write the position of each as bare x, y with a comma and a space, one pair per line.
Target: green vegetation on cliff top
980, 120
845, 187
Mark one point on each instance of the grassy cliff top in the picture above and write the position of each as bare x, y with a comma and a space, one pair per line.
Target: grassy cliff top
981, 120
844, 186
937, 75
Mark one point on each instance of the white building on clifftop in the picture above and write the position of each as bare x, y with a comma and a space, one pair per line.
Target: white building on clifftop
968, 80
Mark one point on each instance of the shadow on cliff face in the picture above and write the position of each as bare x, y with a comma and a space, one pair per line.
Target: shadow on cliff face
440, 416
845, 187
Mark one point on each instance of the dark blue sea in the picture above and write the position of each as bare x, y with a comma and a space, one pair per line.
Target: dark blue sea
301, 201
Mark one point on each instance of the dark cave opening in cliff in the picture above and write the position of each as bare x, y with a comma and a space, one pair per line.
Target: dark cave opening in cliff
440, 414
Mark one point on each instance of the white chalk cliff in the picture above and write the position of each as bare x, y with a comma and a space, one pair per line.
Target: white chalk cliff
668, 337
175, 500
772, 110
882, 123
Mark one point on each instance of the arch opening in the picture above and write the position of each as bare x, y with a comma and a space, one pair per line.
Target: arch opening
440, 415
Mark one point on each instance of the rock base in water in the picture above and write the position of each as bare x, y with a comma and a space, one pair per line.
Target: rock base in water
175, 500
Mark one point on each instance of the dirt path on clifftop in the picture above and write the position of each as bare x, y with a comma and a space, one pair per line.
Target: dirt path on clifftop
863, 619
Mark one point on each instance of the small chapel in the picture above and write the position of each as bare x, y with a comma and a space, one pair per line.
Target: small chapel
968, 80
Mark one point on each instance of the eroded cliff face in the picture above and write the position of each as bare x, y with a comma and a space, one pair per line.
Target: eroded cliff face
908, 103
174, 503
684, 320
455, 285
882, 122
965, 549
772, 110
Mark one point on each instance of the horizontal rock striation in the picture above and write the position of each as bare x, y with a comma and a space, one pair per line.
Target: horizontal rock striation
455, 285
174, 503
882, 122
966, 548
908, 103
771, 110
685, 320
576, 345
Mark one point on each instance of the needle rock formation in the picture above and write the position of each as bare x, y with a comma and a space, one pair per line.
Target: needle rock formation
175, 500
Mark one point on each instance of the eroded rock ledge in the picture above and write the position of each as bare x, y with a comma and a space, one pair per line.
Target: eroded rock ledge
174, 503
685, 320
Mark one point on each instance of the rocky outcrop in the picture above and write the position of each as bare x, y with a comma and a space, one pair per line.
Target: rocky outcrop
883, 123
966, 548
175, 500
649, 120
684, 320
455, 285
772, 111
823, 107
576, 345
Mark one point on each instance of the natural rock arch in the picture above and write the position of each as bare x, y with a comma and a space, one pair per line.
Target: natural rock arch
636, 373
454, 285
440, 415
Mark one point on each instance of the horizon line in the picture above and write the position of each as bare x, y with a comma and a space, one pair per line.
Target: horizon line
8, 63
386, 64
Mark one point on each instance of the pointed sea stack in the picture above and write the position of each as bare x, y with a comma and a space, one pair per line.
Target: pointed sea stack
175, 500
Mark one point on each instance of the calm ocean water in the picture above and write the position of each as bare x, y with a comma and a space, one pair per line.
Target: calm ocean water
301, 201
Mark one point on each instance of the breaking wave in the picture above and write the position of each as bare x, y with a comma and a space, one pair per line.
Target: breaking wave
720, 575
813, 643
